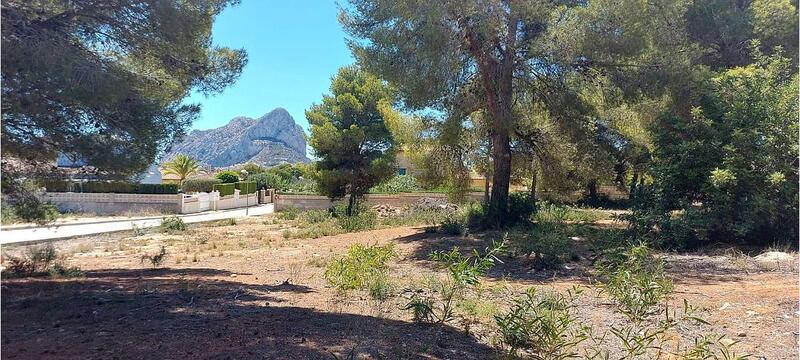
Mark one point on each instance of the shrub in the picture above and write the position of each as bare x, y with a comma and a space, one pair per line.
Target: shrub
520, 208
462, 272
199, 184
224, 189
60, 271
315, 216
118, 187
269, 181
228, 176
361, 268
36, 260
397, 184
364, 220
288, 213
543, 324
549, 243
636, 282
172, 223
157, 259
34, 211
246, 187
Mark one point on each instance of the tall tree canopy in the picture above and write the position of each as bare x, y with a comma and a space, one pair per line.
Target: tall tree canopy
350, 136
104, 81
463, 56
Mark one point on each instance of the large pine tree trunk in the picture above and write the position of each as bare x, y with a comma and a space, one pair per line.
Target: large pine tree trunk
498, 204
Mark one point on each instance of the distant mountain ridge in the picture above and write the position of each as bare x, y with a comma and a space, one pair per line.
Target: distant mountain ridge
270, 140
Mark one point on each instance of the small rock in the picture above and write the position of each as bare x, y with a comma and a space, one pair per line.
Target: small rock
741, 334
724, 306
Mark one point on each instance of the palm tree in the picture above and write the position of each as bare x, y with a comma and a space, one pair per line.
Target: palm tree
182, 166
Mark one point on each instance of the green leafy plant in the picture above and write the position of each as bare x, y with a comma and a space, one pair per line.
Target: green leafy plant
199, 184
543, 324
172, 223
364, 267
636, 282
228, 176
288, 213
363, 220
462, 272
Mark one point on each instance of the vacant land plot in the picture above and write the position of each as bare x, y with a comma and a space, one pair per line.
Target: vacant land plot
250, 290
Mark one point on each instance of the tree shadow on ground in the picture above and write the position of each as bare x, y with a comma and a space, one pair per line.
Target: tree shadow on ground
165, 313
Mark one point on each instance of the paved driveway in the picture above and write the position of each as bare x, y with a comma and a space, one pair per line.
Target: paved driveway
65, 230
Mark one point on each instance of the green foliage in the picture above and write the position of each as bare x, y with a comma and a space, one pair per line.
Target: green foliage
269, 181
228, 176
204, 184
36, 261
363, 220
462, 272
246, 187
636, 281
224, 189
315, 216
349, 136
142, 67
364, 267
156, 259
288, 213
182, 166
548, 242
29, 211
119, 187
397, 184
730, 168
58, 270
520, 208
172, 223
543, 324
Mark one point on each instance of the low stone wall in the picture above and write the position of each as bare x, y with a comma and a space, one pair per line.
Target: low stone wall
307, 202
114, 204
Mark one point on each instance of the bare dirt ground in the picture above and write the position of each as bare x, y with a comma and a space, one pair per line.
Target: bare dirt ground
244, 292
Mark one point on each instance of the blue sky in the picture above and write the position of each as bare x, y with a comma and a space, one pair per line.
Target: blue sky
294, 47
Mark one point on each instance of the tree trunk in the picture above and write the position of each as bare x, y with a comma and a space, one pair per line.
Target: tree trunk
592, 192
501, 153
634, 180
533, 181
486, 187
351, 205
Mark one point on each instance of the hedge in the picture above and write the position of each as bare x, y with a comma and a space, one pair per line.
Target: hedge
200, 184
119, 187
246, 187
224, 189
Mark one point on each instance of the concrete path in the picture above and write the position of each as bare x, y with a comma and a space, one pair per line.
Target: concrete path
79, 228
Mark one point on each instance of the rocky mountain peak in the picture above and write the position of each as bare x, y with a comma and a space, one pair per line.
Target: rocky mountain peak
270, 140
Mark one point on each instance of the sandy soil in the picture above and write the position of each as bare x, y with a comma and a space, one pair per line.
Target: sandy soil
243, 291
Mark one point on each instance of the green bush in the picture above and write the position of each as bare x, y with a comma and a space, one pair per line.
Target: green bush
269, 181
315, 216
361, 268
636, 281
224, 189
204, 184
36, 260
228, 176
549, 243
246, 187
543, 324
363, 220
520, 208
397, 184
172, 223
34, 211
288, 213
118, 187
